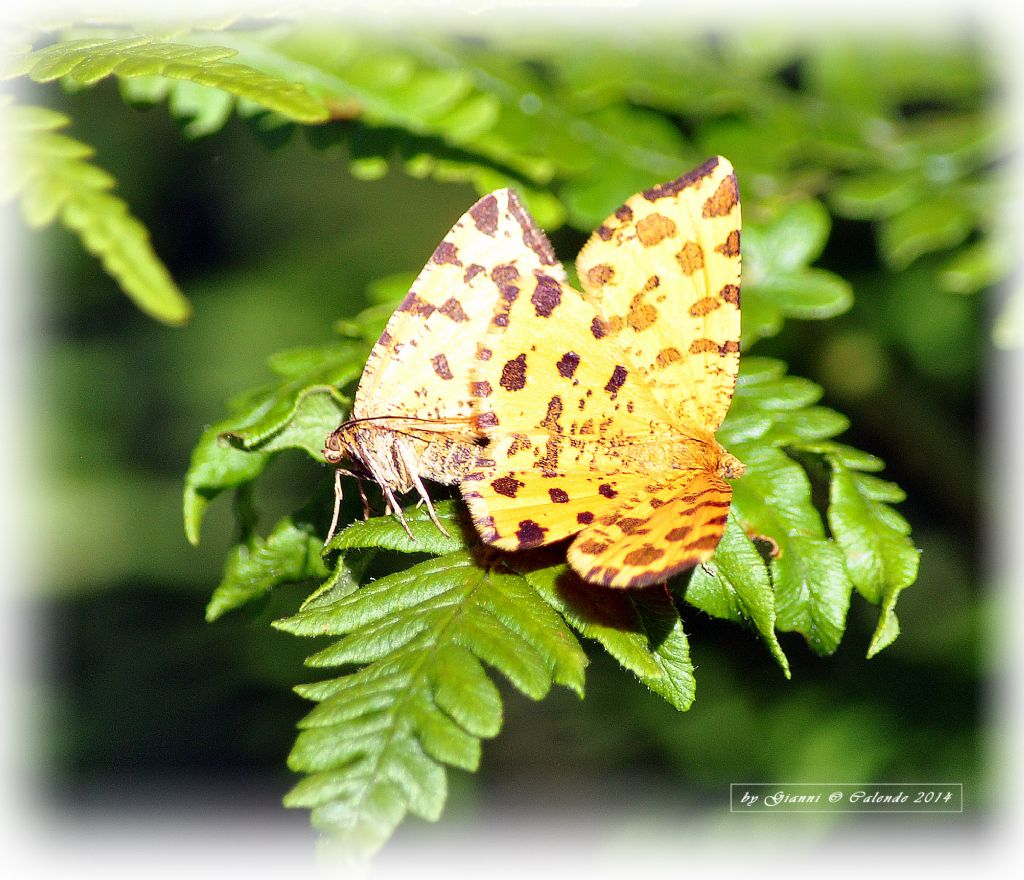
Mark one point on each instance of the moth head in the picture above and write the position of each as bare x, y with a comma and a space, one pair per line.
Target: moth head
334, 448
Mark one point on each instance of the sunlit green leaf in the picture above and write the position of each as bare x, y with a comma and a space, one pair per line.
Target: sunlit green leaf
382, 733
880, 557
736, 586
288, 554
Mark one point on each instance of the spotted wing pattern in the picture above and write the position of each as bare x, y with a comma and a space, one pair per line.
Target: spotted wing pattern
655, 533
599, 408
664, 270
412, 414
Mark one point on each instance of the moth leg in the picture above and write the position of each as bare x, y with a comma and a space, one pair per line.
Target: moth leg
410, 466
338, 497
362, 495
337, 507
430, 507
397, 510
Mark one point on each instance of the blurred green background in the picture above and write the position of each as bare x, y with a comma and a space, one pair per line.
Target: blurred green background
272, 244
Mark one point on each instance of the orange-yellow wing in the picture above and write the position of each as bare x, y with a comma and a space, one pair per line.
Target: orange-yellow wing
562, 413
549, 373
664, 272
655, 533
516, 510
420, 367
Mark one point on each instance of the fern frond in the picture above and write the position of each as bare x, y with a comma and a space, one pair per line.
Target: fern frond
50, 176
446, 111
88, 60
880, 557
376, 745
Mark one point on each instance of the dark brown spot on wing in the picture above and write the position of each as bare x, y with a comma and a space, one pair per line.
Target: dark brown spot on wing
487, 420
546, 296
725, 198
616, 381
690, 511
630, 525
513, 374
592, 547
451, 308
440, 364
701, 346
585, 518
472, 270
504, 273
599, 327
603, 232
446, 252
507, 486
624, 213
413, 305
558, 496
483, 353
485, 215
691, 258
530, 533
567, 364
481, 389
518, 444
606, 490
